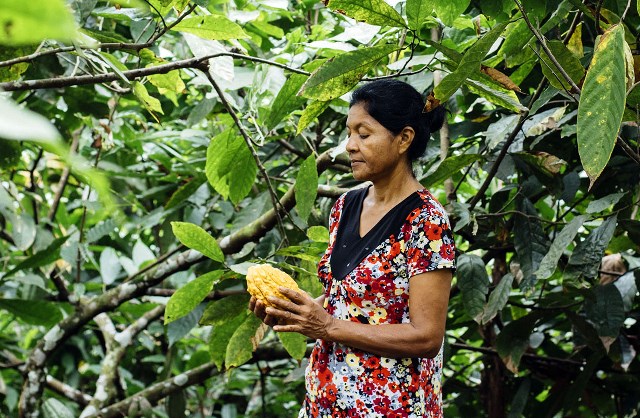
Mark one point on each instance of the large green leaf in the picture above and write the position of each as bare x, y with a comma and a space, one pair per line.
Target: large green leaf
230, 168
30, 22
34, 312
286, 101
418, 11
185, 299
602, 102
339, 75
306, 187
567, 61
469, 64
530, 242
243, 342
605, 309
312, 111
550, 261
514, 339
587, 255
448, 167
473, 283
373, 12
198, 239
498, 96
215, 27
497, 299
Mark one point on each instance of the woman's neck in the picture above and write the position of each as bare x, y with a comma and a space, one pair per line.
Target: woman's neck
394, 188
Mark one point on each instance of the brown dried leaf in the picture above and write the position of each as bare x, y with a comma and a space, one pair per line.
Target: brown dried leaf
500, 78
431, 103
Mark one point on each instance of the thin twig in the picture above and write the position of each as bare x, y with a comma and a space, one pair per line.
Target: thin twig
64, 178
628, 150
597, 17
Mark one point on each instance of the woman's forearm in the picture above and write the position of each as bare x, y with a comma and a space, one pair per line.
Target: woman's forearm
387, 340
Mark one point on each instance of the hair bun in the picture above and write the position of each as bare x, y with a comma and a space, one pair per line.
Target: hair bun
435, 118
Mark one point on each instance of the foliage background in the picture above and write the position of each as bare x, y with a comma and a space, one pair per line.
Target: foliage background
151, 150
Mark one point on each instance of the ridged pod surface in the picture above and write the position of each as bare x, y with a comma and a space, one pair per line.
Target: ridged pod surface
263, 281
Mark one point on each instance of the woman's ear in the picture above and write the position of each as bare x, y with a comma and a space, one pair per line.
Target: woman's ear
406, 138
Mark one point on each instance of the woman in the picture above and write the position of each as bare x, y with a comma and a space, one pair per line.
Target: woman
387, 273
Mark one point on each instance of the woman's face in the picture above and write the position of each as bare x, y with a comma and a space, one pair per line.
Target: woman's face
374, 151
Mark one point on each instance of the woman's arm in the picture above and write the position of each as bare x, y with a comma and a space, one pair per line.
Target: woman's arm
421, 337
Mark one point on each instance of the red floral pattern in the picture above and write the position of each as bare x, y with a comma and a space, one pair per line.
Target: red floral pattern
345, 382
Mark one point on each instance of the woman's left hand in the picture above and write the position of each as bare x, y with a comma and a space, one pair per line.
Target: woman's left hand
301, 314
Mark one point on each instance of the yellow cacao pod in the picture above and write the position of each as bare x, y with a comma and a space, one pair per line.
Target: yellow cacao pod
263, 281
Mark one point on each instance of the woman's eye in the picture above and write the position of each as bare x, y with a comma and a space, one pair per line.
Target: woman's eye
364, 136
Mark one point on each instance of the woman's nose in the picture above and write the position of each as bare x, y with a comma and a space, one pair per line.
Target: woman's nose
351, 144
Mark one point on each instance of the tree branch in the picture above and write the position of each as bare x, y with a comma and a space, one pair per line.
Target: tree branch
59, 82
67, 391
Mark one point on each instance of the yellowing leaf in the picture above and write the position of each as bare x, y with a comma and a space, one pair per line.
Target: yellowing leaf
373, 12
602, 102
149, 102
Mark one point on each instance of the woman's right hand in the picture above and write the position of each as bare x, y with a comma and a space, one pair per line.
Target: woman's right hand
258, 308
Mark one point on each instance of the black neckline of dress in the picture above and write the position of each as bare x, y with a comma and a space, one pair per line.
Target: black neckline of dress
350, 248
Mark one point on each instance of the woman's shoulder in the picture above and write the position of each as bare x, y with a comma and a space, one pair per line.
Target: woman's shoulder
431, 207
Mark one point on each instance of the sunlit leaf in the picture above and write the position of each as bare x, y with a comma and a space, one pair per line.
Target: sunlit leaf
448, 167
339, 75
294, 343
373, 12
34, 312
560, 243
215, 27
567, 60
241, 344
497, 299
198, 239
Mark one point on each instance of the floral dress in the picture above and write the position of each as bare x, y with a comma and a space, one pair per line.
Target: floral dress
411, 239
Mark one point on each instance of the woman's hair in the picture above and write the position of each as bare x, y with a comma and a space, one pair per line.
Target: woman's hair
396, 105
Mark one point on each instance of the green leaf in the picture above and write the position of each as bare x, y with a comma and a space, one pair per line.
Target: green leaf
198, 239
473, 282
149, 102
469, 64
170, 81
34, 312
318, 234
600, 205
513, 340
418, 11
550, 261
498, 96
230, 167
605, 310
530, 242
214, 27
243, 342
225, 309
185, 299
309, 114
286, 101
497, 299
602, 102
221, 335
569, 62
339, 75
41, 258
373, 12
306, 187
30, 22
587, 255
294, 343
448, 167
448, 11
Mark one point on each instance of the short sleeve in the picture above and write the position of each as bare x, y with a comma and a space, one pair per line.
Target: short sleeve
430, 245
334, 218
